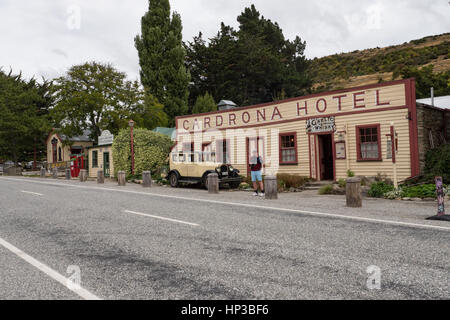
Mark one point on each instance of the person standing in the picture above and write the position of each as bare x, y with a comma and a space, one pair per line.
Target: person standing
256, 163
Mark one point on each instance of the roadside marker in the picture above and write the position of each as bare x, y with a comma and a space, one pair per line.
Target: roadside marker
83, 293
162, 218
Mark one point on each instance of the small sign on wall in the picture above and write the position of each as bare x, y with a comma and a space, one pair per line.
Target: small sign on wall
106, 138
340, 150
326, 124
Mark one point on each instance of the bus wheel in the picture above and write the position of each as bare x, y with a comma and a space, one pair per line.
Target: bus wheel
173, 179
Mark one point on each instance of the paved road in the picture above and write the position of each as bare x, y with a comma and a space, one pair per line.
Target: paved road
132, 245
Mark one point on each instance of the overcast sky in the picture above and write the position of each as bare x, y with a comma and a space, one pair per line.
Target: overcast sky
46, 37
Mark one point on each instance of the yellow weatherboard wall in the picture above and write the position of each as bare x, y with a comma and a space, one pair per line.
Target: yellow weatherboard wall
385, 104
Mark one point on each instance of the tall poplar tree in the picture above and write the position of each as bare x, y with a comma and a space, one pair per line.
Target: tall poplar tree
161, 57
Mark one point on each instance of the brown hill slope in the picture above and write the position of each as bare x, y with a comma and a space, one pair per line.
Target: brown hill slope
380, 64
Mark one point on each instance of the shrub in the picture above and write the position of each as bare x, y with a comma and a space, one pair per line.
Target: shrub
291, 180
379, 189
421, 191
151, 150
437, 163
328, 189
342, 183
350, 173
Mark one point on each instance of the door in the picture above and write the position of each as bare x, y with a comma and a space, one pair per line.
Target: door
254, 144
326, 160
106, 165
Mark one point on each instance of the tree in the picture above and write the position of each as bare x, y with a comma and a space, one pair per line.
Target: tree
426, 79
150, 114
151, 151
254, 64
162, 56
94, 96
204, 104
24, 121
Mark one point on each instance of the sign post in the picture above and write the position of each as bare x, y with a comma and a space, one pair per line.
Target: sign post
440, 200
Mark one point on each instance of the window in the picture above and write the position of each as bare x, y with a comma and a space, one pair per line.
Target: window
94, 159
59, 154
368, 142
188, 148
222, 151
288, 148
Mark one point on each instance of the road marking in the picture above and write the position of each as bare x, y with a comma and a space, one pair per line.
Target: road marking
34, 193
162, 218
85, 294
333, 215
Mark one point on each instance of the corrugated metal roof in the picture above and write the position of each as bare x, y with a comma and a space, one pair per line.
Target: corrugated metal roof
166, 131
226, 103
83, 138
439, 102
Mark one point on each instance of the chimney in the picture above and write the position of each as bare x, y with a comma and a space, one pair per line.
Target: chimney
226, 105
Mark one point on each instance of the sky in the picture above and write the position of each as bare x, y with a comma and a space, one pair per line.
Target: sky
43, 38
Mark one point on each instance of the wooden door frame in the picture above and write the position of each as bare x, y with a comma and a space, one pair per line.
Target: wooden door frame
109, 164
247, 144
318, 154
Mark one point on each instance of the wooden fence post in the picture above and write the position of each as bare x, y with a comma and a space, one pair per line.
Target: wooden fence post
353, 192
100, 177
121, 178
55, 173
146, 179
213, 183
83, 175
271, 187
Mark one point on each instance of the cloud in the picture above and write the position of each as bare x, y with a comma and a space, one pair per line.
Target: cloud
45, 38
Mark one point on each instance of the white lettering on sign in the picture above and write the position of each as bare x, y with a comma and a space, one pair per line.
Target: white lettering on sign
321, 125
106, 138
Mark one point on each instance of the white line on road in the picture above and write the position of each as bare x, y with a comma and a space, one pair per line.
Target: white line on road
162, 218
332, 215
48, 271
34, 193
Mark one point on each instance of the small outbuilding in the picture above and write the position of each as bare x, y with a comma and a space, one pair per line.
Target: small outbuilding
100, 156
61, 149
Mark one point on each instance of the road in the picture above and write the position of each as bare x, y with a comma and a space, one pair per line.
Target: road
162, 243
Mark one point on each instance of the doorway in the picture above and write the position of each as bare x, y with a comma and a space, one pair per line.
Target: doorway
106, 165
326, 160
254, 144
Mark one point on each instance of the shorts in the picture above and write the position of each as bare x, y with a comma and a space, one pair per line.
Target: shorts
256, 176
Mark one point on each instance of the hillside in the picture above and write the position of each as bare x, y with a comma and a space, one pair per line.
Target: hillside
382, 64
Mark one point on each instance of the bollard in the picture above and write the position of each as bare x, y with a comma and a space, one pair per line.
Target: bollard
353, 192
83, 175
271, 187
100, 177
213, 183
43, 172
146, 179
68, 175
55, 173
121, 178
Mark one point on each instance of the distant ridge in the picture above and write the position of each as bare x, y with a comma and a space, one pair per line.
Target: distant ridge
362, 67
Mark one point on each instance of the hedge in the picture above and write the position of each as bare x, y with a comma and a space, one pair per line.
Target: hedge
151, 151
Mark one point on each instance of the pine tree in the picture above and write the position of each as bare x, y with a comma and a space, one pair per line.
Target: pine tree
204, 104
162, 57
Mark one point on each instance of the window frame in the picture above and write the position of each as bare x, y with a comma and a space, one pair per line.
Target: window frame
95, 165
358, 142
280, 148
220, 154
